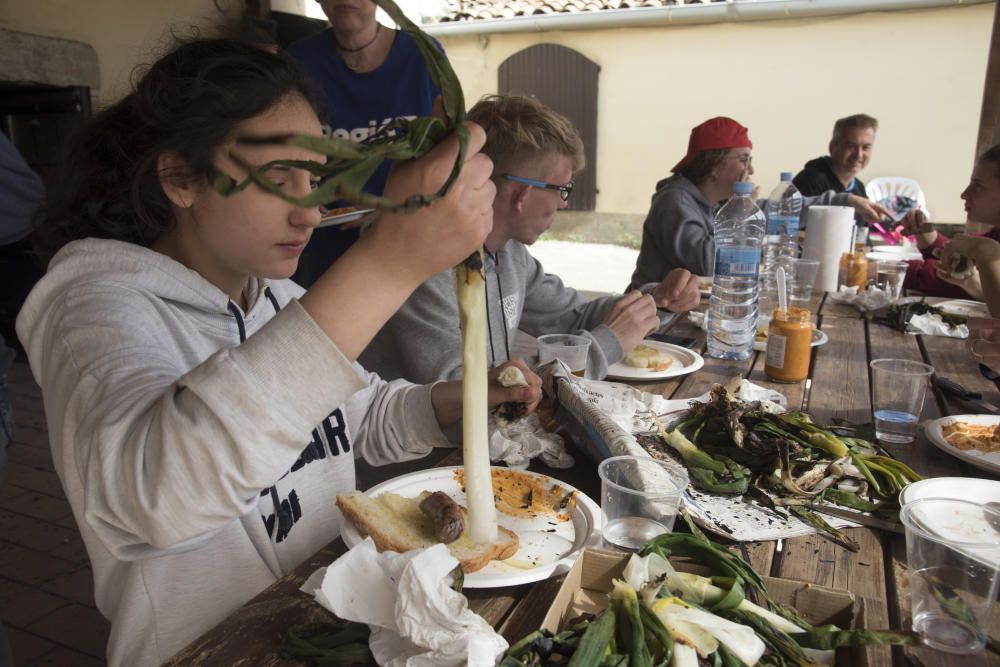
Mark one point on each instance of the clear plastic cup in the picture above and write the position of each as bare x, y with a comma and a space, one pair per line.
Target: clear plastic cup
640, 496
898, 389
889, 276
953, 554
570, 349
800, 275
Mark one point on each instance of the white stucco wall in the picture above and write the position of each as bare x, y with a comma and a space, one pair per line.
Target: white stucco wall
921, 73
124, 34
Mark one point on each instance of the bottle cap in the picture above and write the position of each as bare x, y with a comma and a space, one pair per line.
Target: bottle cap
742, 187
786, 176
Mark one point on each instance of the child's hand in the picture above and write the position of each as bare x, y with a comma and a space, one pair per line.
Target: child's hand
435, 237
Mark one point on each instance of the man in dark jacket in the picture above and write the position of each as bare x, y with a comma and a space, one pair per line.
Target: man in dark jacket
850, 151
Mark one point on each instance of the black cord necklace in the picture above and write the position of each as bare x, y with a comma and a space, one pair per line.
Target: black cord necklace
341, 47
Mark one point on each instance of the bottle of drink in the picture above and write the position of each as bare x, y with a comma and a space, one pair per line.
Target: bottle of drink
783, 210
732, 309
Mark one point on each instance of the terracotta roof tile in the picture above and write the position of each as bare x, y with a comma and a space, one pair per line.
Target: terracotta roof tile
473, 10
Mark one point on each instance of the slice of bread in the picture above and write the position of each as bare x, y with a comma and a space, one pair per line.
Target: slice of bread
644, 356
396, 523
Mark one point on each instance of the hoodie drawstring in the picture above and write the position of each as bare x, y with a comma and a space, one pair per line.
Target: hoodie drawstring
503, 314
235, 310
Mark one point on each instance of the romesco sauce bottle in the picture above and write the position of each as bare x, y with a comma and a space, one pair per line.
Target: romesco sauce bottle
789, 345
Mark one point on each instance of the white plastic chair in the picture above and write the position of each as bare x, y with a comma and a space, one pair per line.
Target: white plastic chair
884, 188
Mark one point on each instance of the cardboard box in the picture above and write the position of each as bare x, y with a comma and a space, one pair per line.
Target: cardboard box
586, 587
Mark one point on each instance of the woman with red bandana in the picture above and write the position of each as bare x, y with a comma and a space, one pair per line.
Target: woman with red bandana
679, 229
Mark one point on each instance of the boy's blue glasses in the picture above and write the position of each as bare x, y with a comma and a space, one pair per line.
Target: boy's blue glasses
564, 190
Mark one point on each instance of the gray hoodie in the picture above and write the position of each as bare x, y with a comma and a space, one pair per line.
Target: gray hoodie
422, 341
679, 230
199, 468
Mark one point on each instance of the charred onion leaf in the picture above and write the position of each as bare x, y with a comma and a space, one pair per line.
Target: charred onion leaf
825, 529
329, 644
675, 617
715, 474
511, 411
781, 460
829, 637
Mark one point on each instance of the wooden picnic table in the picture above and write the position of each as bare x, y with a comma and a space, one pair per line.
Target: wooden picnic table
839, 386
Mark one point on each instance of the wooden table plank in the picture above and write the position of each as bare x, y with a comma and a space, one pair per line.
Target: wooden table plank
839, 387
952, 360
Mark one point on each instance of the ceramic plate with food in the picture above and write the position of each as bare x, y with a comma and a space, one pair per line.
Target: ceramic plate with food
681, 361
340, 216
967, 437
552, 520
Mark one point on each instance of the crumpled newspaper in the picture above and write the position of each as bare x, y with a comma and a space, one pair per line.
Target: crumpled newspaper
416, 619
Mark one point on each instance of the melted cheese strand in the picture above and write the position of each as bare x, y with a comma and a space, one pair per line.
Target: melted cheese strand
471, 291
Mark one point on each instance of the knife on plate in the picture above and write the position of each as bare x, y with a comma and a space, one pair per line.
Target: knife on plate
858, 517
973, 398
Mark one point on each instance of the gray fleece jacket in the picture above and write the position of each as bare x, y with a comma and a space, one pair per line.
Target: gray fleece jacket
679, 230
199, 468
422, 341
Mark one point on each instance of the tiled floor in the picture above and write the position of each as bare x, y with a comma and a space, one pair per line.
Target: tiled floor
46, 587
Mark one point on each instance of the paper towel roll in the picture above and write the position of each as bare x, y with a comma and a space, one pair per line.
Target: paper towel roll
828, 236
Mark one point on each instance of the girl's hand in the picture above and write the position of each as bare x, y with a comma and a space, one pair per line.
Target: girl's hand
975, 250
978, 249
970, 282
530, 395
913, 222
436, 237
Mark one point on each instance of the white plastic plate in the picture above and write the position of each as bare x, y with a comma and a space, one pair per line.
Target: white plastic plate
963, 488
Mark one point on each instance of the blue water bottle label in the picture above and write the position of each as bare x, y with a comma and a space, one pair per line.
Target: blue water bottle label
737, 262
783, 224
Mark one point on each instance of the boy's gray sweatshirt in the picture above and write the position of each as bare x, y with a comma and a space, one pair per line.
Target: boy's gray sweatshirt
422, 341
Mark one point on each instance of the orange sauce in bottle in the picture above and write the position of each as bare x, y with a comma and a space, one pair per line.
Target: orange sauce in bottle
854, 270
789, 345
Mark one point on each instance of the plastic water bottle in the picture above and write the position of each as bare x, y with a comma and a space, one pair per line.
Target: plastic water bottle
732, 309
783, 211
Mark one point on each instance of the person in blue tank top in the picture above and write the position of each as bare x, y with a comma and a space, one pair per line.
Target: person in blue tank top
366, 75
